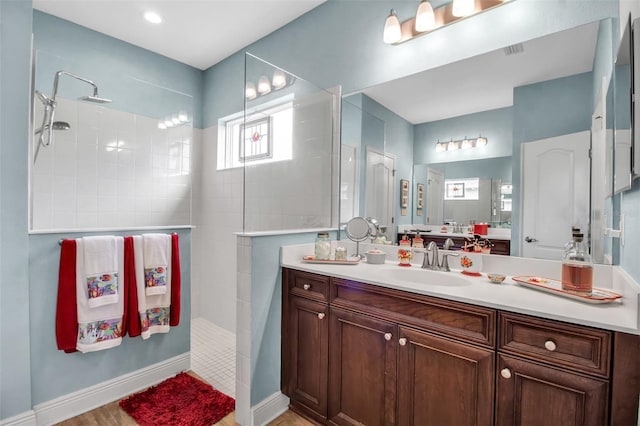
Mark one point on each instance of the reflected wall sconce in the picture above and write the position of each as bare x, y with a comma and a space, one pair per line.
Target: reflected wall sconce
461, 144
266, 85
173, 120
428, 19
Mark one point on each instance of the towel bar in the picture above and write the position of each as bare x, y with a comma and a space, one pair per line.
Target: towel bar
62, 239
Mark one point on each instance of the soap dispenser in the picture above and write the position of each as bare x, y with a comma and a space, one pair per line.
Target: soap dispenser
577, 268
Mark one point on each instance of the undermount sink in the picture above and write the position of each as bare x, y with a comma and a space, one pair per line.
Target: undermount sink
426, 277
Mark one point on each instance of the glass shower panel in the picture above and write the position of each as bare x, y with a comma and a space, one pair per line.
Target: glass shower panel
288, 147
115, 165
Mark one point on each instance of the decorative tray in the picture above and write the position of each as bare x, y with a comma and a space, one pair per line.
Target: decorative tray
598, 295
349, 261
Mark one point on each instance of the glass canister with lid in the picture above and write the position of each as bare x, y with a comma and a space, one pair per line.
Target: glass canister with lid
323, 246
577, 268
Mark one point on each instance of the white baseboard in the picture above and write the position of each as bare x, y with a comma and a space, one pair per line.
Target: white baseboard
87, 399
269, 408
28, 418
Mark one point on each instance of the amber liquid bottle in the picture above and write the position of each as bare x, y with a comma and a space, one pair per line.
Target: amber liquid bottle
577, 268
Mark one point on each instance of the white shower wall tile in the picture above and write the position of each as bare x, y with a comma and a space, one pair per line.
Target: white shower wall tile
120, 163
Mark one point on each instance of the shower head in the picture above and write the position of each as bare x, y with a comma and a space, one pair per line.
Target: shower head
95, 98
57, 125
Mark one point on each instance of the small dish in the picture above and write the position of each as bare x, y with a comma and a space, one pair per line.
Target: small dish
376, 257
496, 278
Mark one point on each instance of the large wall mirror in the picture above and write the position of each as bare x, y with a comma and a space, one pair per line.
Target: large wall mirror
623, 108
528, 102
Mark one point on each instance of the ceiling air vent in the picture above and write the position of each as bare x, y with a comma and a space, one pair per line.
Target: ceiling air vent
514, 49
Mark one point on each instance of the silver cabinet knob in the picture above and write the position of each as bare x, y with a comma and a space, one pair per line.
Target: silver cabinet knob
387, 336
306, 286
506, 373
550, 345
321, 315
402, 341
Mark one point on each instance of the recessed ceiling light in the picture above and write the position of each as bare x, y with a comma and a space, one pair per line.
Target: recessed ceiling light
152, 17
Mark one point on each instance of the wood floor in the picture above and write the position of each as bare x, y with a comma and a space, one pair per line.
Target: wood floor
112, 415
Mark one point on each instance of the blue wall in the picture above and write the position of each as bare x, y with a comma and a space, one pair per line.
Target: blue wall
55, 373
496, 125
15, 54
137, 80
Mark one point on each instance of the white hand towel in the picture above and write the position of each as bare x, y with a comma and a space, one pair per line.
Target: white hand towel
156, 252
99, 327
100, 269
154, 309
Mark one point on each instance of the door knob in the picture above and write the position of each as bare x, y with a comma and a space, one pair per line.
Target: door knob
506, 373
387, 336
530, 240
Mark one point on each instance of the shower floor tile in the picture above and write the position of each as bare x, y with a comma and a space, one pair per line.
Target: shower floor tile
213, 355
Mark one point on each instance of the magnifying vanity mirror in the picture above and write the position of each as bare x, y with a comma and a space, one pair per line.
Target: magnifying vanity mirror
517, 99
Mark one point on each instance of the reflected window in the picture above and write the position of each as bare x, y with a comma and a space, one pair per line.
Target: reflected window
462, 189
264, 136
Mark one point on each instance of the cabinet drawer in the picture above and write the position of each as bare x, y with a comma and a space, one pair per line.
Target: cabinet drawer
309, 285
569, 346
460, 321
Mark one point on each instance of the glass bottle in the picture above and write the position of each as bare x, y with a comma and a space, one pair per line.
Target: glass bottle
577, 268
323, 246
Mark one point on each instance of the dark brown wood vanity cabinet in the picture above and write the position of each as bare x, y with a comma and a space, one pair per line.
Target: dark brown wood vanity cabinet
354, 353
502, 247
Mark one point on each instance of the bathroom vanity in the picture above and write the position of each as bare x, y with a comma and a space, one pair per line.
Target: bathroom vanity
360, 347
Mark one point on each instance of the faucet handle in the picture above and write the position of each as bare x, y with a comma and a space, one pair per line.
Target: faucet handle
445, 261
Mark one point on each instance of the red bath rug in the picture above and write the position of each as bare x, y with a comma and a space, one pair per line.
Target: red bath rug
182, 400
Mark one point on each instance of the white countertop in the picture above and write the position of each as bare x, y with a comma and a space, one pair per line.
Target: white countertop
622, 315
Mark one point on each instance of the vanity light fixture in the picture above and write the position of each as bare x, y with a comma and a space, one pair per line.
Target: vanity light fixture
428, 19
264, 85
152, 17
462, 8
392, 31
461, 144
425, 19
280, 79
173, 120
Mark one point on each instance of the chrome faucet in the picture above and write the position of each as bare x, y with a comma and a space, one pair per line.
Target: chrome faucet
434, 262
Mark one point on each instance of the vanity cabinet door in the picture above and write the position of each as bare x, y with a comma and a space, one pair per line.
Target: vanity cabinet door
531, 394
443, 382
362, 369
308, 355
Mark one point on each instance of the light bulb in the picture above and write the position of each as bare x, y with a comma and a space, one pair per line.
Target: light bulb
183, 117
168, 122
452, 146
481, 141
250, 91
264, 86
161, 125
279, 79
175, 120
425, 19
441, 147
462, 8
467, 143
392, 32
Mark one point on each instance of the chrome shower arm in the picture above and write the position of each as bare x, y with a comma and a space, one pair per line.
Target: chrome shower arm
77, 77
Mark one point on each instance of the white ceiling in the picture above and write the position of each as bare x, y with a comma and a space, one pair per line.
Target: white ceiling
486, 81
199, 33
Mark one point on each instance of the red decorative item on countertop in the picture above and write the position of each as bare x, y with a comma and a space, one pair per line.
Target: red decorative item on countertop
480, 228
